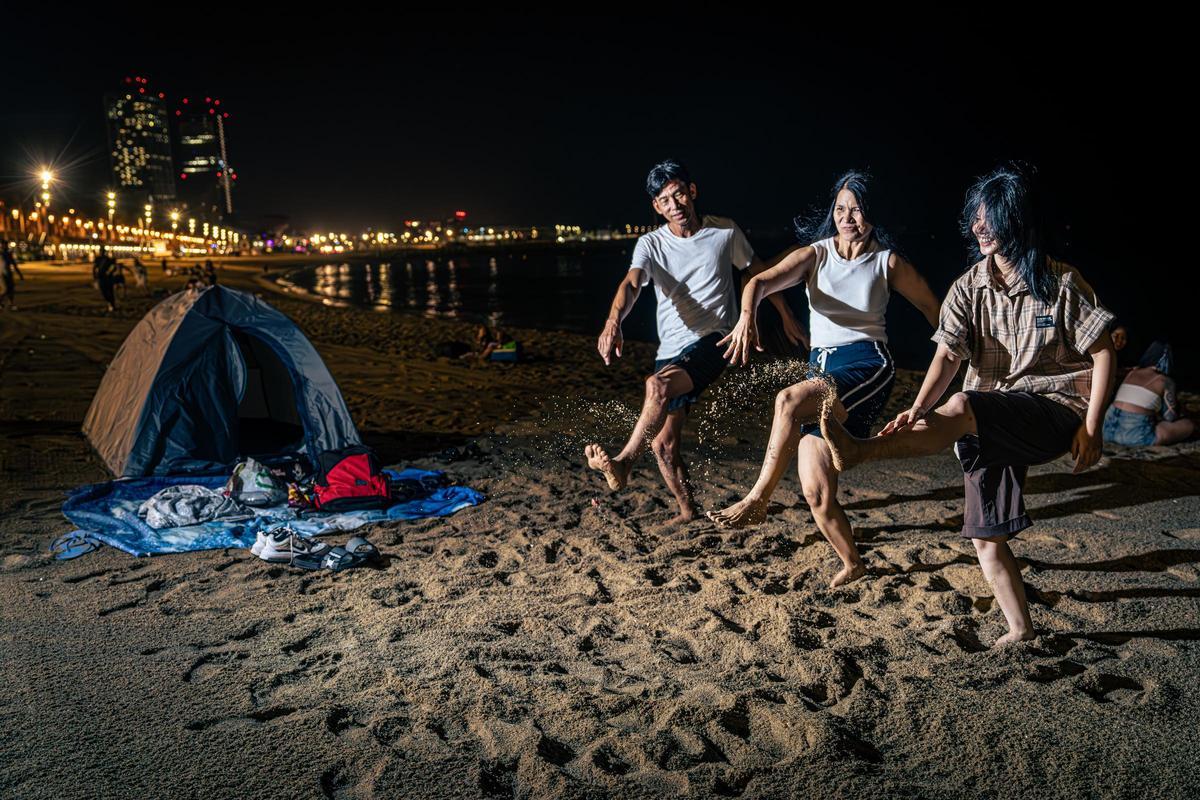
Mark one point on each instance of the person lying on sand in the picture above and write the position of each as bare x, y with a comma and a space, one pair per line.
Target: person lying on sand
1040, 363
688, 259
849, 268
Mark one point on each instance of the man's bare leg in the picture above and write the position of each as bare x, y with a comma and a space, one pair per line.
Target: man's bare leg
945, 426
794, 406
820, 481
661, 387
666, 452
1004, 576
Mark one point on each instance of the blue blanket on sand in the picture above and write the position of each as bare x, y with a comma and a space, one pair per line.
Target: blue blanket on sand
109, 512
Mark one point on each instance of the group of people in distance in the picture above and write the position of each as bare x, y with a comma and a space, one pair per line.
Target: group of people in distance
1032, 332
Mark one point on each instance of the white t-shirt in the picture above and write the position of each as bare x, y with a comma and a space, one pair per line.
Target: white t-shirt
692, 280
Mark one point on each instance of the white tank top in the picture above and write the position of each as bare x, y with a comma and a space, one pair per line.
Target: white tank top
847, 298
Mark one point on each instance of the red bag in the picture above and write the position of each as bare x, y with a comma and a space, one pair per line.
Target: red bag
350, 480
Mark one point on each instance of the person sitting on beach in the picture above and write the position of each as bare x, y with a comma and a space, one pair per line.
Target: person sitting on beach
849, 268
1040, 366
487, 342
1145, 411
689, 260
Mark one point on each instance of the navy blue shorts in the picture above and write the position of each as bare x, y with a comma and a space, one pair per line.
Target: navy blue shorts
702, 361
864, 374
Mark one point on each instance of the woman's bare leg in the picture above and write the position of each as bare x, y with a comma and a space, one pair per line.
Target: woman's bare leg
1175, 431
820, 481
1004, 576
794, 406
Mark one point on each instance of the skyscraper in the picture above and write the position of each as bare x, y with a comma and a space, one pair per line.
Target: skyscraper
140, 142
205, 177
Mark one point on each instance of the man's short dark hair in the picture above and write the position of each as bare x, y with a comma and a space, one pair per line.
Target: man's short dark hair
665, 172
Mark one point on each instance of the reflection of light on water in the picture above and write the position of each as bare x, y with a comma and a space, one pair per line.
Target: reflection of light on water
410, 286
385, 285
431, 289
455, 297
369, 280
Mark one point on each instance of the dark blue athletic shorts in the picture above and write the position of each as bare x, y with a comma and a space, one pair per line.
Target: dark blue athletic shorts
864, 374
702, 361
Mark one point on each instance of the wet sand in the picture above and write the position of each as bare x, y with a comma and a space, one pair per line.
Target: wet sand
559, 641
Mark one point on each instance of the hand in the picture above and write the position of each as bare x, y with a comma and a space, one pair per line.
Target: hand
794, 333
905, 419
1085, 448
743, 336
611, 341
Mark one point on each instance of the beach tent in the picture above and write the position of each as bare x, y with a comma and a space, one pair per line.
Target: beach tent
207, 378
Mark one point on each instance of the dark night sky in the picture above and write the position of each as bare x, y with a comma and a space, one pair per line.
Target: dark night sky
560, 125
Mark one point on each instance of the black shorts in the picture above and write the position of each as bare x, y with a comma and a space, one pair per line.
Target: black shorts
702, 361
1015, 431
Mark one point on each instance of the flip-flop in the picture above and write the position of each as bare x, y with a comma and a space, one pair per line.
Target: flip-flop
358, 551
74, 544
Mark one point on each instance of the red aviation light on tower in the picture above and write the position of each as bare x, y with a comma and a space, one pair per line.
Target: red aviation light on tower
460, 215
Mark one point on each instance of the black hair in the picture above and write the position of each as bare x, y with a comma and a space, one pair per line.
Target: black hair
814, 227
1160, 356
663, 173
1012, 212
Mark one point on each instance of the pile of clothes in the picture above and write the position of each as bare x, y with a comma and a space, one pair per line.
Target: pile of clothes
174, 514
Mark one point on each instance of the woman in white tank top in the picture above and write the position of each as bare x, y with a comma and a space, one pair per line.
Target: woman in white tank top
849, 270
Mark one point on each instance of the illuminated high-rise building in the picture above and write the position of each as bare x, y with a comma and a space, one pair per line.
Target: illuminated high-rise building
205, 177
140, 142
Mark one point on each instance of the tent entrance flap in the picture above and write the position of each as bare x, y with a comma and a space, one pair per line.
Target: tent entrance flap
268, 419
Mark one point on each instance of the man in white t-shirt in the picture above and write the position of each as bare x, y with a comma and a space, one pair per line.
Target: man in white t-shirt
690, 260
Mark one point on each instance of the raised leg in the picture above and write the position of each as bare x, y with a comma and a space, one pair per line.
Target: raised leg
794, 406
939, 430
661, 387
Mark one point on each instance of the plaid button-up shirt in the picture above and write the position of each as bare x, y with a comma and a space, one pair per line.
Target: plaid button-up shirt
1013, 342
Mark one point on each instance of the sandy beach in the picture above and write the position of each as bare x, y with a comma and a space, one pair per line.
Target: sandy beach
561, 641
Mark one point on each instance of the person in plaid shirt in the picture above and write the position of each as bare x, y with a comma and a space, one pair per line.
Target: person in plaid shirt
1040, 365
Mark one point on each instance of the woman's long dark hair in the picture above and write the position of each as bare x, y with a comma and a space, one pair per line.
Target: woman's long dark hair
1013, 215
814, 227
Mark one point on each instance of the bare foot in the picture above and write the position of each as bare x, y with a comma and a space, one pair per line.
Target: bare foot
615, 472
843, 447
848, 574
742, 513
682, 518
1014, 636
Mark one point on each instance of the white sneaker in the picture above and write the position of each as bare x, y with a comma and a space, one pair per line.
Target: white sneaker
283, 546
259, 541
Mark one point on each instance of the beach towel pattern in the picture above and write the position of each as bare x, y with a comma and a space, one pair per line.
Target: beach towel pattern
109, 512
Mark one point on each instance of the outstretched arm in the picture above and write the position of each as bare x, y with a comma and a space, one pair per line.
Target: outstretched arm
791, 326
792, 269
904, 278
611, 339
942, 370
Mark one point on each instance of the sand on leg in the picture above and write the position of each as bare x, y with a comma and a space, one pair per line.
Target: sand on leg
820, 482
1004, 576
666, 453
794, 406
661, 387
950, 422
